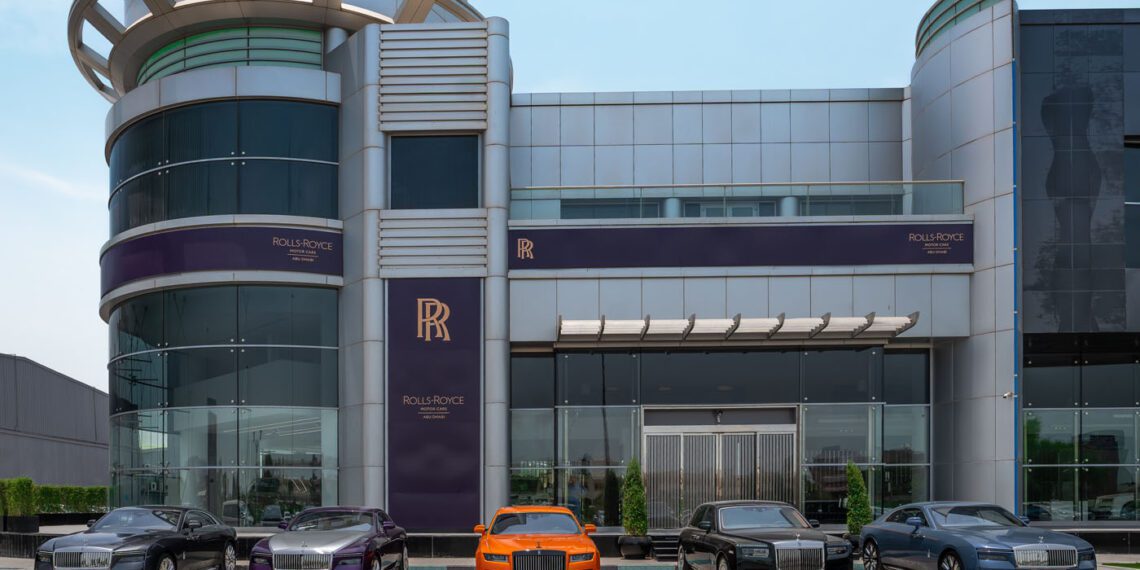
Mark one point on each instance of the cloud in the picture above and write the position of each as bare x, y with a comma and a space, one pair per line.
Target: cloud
14, 178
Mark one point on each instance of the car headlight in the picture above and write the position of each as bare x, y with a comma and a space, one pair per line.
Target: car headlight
837, 550
353, 561
583, 557
43, 556
260, 559
1087, 556
995, 555
752, 551
494, 557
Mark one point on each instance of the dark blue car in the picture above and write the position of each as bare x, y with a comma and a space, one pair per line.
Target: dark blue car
964, 536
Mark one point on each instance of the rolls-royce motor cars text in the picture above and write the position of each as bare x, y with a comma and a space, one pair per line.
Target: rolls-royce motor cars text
965, 536
340, 538
747, 535
145, 538
536, 538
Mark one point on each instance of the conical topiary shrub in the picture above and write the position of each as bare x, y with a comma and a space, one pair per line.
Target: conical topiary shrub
633, 514
858, 504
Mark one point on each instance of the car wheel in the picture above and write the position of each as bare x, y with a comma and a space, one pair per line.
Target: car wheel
229, 557
405, 564
166, 563
681, 563
375, 561
949, 561
722, 563
871, 559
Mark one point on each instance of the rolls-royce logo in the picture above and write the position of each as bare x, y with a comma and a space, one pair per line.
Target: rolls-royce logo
525, 249
431, 319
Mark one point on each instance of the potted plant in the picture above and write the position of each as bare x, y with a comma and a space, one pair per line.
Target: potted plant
22, 517
635, 544
858, 505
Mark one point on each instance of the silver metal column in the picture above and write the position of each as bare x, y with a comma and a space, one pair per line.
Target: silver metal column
496, 199
334, 37
789, 206
672, 207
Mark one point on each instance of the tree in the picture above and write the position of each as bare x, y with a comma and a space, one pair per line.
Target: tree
633, 511
858, 505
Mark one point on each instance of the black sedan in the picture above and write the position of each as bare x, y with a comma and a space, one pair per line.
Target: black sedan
145, 538
748, 535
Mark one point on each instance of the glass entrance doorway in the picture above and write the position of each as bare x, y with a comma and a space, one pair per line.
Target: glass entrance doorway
686, 465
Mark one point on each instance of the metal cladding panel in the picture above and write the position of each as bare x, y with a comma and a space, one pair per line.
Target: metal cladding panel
222, 249
433, 77
737, 246
441, 240
434, 421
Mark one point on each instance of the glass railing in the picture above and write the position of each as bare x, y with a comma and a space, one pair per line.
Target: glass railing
944, 15
737, 200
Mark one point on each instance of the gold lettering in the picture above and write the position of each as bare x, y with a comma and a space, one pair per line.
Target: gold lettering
432, 315
525, 249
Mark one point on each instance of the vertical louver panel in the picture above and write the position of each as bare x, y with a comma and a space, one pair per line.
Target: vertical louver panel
433, 77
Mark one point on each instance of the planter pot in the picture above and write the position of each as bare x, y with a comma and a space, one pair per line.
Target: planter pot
855, 541
26, 525
634, 547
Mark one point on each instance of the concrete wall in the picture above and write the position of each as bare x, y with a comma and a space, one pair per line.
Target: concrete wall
962, 128
52, 428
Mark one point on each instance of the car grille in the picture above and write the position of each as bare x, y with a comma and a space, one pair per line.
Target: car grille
1045, 556
539, 560
302, 561
799, 557
82, 559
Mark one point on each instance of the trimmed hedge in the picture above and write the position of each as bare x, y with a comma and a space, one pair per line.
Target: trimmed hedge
22, 497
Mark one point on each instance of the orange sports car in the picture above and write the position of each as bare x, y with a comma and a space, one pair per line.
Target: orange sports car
536, 538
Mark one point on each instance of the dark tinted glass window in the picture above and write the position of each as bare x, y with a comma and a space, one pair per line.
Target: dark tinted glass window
208, 130
620, 372
532, 381
287, 315
435, 172
1051, 437
286, 128
287, 188
137, 382
201, 377
580, 379
201, 189
841, 375
720, 377
138, 202
200, 316
141, 147
287, 376
140, 324
1051, 381
1108, 380
906, 377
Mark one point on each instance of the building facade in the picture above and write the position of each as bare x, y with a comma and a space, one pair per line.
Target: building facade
348, 264
53, 429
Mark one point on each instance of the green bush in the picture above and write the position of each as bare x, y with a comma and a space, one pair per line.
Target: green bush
21, 494
858, 505
3, 497
96, 500
633, 510
49, 499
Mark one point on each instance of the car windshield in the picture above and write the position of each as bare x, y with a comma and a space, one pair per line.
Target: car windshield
974, 516
760, 516
333, 520
535, 523
138, 519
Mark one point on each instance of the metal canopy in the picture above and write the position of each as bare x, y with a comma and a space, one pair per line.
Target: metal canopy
780, 327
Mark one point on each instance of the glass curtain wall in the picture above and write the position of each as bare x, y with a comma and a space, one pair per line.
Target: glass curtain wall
225, 398
576, 419
1080, 405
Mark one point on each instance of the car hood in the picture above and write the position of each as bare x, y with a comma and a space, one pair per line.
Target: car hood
112, 540
320, 541
1017, 536
778, 534
516, 542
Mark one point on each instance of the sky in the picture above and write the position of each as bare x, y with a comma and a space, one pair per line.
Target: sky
53, 173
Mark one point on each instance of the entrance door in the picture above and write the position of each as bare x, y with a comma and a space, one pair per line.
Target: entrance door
686, 466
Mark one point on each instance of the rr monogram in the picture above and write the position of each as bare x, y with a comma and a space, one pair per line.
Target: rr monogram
525, 249
432, 314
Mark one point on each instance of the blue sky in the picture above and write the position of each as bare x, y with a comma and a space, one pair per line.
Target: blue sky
53, 177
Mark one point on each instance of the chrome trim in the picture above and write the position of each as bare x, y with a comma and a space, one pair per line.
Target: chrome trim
1045, 556
800, 555
86, 558
538, 560
302, 561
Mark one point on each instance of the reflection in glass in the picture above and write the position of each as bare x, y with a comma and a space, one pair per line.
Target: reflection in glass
1108, 493
1109, 384
598, 436
200, 316
838, 434
594, 495
1051, 437
841, 375
435, 171
287, 376
825, 492
906, 377
532, 486
201, 377
532, 438
899, 485
906, 434
1108, 436
694, 378
532, 381
287, 437
1050, 494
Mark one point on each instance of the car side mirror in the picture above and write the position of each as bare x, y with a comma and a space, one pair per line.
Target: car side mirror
916, 522
91, 523
388, 525
480, 529
1024, 519
283, 525
705, 525
813, 523
193, 525
590, 528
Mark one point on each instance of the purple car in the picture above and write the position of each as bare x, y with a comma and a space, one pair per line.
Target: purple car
344, 538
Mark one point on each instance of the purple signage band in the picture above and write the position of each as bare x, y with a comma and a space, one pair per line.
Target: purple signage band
736, 246
435, 332
222, 249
